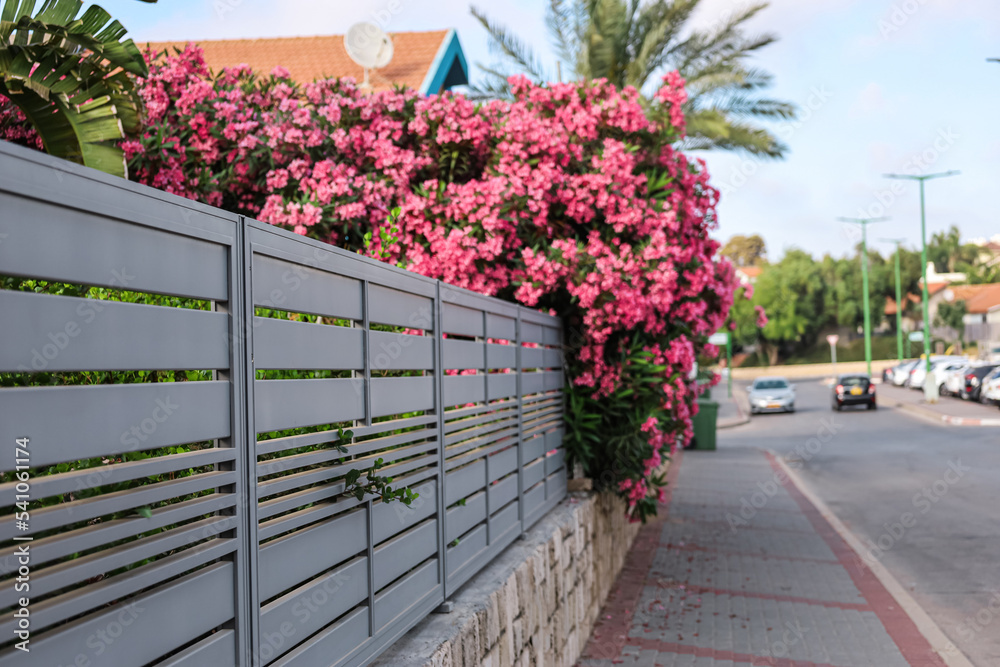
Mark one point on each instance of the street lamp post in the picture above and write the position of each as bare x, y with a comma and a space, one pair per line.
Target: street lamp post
923, 260
899, 303
864, 222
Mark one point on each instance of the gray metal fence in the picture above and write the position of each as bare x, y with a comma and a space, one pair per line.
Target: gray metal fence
174, 387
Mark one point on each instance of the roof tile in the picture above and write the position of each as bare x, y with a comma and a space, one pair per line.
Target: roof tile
323, 56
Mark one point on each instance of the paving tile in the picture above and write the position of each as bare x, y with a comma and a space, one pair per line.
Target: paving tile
771, 592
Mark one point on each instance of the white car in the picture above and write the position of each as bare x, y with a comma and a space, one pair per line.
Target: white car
944, 370
771, 394
919, 373
990, 392
901, 373
954, 381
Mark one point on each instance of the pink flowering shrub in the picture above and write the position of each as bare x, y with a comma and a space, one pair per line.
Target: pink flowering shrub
570, 198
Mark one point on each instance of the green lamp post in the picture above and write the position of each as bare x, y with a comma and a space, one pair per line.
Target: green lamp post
923, 253
899, 302
864, 222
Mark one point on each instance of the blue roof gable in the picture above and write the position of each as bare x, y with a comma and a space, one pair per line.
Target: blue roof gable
448, 69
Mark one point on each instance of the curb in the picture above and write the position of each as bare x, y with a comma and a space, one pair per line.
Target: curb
943, 647
946, 419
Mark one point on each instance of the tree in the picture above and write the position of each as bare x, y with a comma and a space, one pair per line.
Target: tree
628, 43
745, 250
952, 315
792, 293
70, 77
949, 254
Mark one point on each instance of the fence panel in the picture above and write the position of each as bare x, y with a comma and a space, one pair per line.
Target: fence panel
195, 388
118, 376
362, 361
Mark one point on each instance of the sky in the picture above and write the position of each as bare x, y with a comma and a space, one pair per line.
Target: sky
882, 86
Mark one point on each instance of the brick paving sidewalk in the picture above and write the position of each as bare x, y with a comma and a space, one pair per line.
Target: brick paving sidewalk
743, 571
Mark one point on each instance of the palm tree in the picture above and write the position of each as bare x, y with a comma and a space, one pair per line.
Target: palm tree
71, 78
629, 42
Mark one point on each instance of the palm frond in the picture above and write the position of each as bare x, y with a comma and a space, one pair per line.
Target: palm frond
72, 77
511, 50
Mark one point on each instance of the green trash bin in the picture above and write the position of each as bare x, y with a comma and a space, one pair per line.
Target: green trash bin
704, 424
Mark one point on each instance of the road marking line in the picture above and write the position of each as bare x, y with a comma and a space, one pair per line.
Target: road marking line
939, 642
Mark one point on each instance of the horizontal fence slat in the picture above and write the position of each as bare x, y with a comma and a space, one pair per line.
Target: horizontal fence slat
461, 389
313, 605
96, 564
461, 354
281, 285
111, 419
404, 552
464, 481
341, 639
502, 464
461, 321
461, 518
303, 345
44, 240
57, 516
389, 519
399, 351
500, 385
216, 649
154, 629
461, 555
75, 481
503, 491
405, 594
499, 326
82, 539
46, 332
501, 356
285, 404
398, 308
312, 549
392, 396
108, 590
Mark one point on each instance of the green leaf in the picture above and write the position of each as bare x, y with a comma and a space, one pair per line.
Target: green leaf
144, 512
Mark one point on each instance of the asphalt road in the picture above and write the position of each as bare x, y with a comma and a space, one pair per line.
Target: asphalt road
924, 496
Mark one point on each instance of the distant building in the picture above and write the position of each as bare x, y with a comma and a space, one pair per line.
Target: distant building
909, 318
428, 62
747, 275
989, 250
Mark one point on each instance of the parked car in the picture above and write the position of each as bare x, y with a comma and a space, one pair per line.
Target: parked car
954, 380
853, 390
974, 381
990, 392
944, 369
771, 394
919, 373
901, 373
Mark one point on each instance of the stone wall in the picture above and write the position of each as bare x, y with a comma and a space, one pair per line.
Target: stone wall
536, 604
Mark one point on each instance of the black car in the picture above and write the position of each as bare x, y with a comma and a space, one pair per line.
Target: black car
973, 385
853, 390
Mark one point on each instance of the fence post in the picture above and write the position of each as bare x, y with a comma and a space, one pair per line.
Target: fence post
245, 439
520, 423
439, 409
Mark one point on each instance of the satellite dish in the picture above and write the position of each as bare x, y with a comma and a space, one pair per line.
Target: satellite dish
368, 46
949, 295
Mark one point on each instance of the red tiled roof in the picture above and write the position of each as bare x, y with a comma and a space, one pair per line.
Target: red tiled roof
934, 288
322, 56
978, 298
890, 303
751, 271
